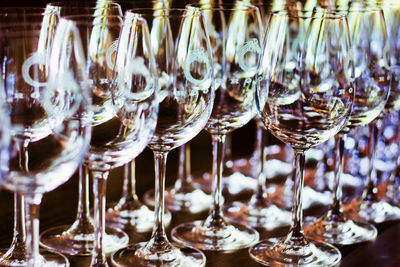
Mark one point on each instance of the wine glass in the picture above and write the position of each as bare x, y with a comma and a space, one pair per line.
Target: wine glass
185, 195
46, 21
185, 76
372, 83
129, 213
236, 46
50, 122
259, 212
369, 207
78, 238
304, 95
125, 107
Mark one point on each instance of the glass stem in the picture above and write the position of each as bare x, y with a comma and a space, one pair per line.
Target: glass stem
18, 246
32, 206
99, 189
218, 144
261, 155
370, 190
184, 180
129, 199
227, 161
19, 221
186, 172
296, 231
336, 207
159, 238
17, 250
83, 218
129, 187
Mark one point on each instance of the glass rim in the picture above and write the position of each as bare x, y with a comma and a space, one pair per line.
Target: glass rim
166, 9
361, 9
84, 18
80, 4
136, 16
224, 6
311, 14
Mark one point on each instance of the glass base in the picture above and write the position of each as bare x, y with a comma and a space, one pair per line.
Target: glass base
50, 259
194, 202
372, 211
58, 239
235, 184
266, 217
140, 219
339, 232
139, 255
274, 252
225, 237
282, 196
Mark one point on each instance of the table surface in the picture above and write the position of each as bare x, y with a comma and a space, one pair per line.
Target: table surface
59, 207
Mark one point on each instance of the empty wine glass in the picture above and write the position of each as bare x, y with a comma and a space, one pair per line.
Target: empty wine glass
184, 196
129, 213
78, 238
369, 207
46, 20
50, 109
125, 107
372, 83
185, 75
235, 35
259, 212
304, 96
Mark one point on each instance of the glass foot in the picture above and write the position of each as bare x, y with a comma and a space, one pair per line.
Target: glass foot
346, 232
282, 196
58, 239
194, 202
372, 211
224, 237
266, 217
140, 219
234, 184
140, 255
274, 252
9, 258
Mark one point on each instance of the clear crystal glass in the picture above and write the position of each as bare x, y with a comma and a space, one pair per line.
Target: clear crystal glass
185, 76
369, 207
44, 114
78, 238
372, 78
304, 95
235, 33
